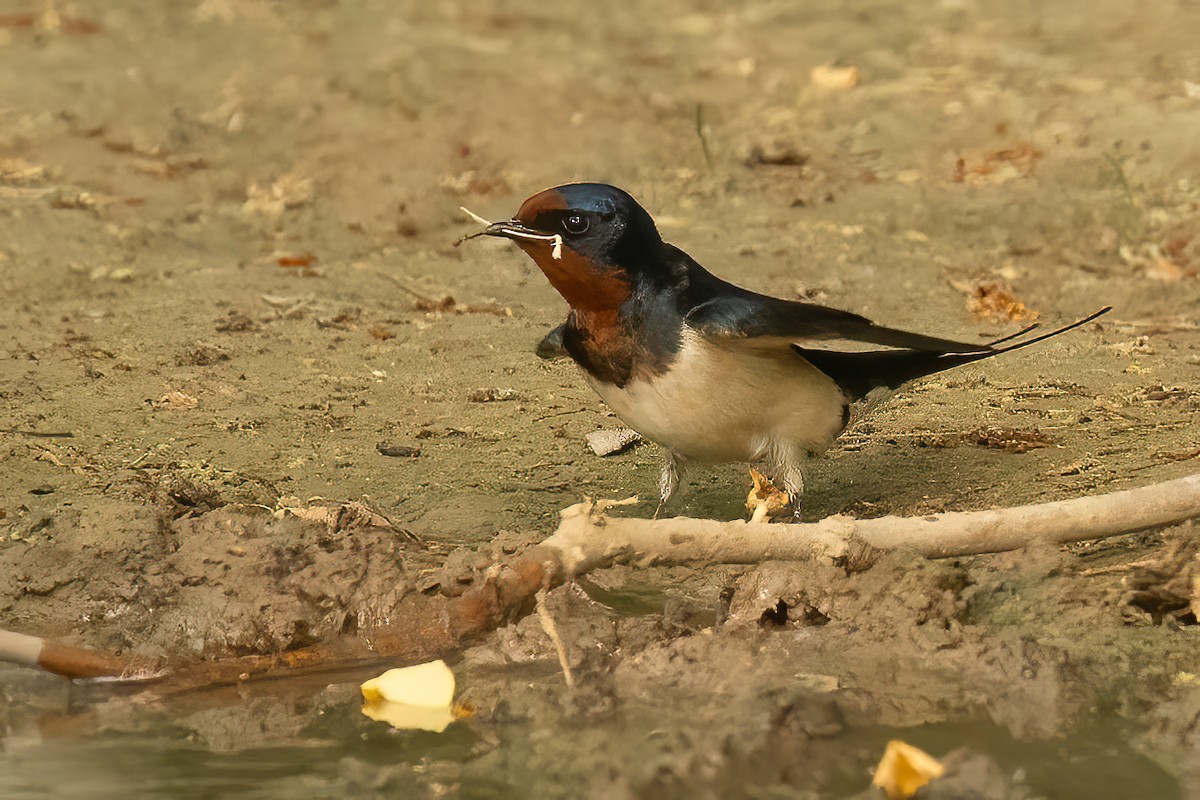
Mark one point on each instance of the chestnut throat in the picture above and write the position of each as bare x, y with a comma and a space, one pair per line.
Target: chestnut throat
620, 329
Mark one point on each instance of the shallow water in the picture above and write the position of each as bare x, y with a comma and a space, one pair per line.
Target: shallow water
327, 748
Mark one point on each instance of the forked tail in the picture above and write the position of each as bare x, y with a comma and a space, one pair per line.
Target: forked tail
858, 373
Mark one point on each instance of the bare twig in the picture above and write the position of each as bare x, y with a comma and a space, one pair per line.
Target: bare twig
547, 620
67, 660
583, 534
700, 134
39, 434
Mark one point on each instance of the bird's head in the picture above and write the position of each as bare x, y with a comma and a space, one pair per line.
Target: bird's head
593, 241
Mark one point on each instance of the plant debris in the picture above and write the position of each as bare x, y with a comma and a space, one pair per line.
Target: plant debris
994, 299
1011, 440
998, 166
176, 401
493, 394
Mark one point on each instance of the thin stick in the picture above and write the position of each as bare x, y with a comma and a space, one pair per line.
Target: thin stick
700, 134
486, 223
547, 620
39, 434
422, 298
64, 659
474, 216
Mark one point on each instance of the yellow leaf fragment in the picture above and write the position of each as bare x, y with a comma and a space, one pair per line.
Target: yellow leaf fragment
430, 685
904, 769
408, 698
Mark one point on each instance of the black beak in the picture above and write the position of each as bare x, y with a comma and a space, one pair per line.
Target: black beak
512, 229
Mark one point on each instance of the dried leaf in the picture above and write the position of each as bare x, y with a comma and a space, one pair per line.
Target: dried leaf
1166, 271
294, 259
766, 499
176, 401
381, 332
904, 769
288, 192
999, 166
994, 299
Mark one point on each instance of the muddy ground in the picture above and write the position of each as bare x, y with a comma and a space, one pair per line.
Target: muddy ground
226, 258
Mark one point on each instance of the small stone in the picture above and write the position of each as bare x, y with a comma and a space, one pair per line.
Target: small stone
235, 322
775, 152
397, 450
612, 440
44, 488
201, 355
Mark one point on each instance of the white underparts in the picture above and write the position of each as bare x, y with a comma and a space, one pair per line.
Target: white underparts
718, 403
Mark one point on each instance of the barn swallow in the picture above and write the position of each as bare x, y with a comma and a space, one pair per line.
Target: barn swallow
710, 371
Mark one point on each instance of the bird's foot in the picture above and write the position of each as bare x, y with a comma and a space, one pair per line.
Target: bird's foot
551, 345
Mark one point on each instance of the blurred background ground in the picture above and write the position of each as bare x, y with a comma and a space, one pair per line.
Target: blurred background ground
226, 256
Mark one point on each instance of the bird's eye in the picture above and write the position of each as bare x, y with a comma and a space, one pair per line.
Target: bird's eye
575, 223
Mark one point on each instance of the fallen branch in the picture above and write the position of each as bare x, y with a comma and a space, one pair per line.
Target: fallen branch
585, 537
61, 659
588, 539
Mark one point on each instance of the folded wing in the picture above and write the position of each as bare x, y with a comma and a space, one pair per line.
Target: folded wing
844, 346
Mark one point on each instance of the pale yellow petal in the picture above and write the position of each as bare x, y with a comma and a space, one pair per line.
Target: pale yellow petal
904, 769
430, 684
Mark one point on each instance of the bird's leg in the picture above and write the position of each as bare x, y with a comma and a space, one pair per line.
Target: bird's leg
790, 477
668, 481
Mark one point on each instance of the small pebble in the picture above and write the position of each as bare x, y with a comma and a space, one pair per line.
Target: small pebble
397, 450
45, 488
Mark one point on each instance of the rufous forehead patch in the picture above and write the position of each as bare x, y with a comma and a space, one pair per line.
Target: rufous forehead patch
549, 200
